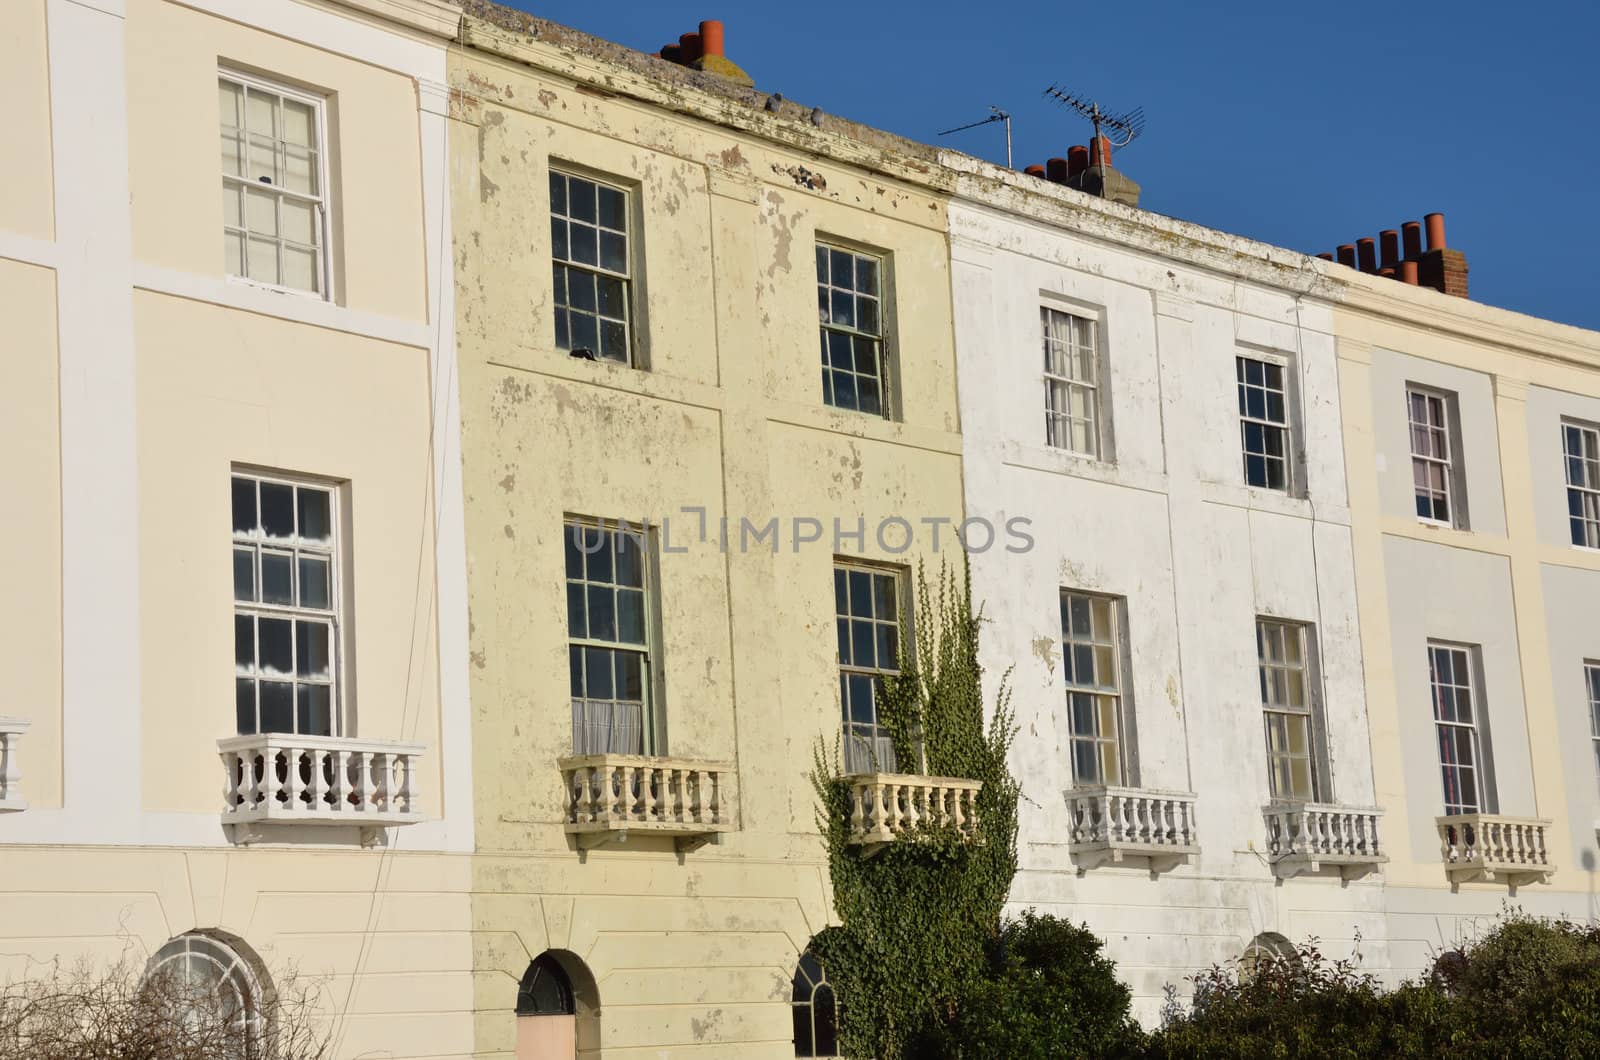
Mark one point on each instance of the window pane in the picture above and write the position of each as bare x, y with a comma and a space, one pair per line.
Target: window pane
577, 612
630, 616
277, 706
311, 650
581, 199
597, 673
613, 208
277, 578
602, 613
244, 644
315, 587
630, 560
244, 705
244, 574
314, 710
315, 522
275, 648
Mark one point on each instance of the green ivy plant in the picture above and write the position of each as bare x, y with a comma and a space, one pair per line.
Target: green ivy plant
917, 915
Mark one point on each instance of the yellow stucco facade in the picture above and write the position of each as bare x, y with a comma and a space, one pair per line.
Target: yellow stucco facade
692, 953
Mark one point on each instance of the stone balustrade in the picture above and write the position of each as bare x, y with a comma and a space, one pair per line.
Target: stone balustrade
1494, 849
11, 730
1308, 837
609, 796
1111, 823
885, 807
278, 778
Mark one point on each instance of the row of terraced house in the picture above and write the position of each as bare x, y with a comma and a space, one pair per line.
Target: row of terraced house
547, 435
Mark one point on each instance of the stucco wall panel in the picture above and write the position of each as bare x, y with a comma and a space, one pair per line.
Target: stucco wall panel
30, 565
218, 389
25, 158
374, 164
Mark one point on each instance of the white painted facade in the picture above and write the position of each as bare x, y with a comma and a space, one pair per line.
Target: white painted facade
1165, 523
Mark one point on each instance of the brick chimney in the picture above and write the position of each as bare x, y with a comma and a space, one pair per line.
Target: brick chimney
1440, 267
1404, 259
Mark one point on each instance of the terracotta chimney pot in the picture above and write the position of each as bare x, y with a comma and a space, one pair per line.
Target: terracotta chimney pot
1411, 237
1367, 253
1435, 225
711, 38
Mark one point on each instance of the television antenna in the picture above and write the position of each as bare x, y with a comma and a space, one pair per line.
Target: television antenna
996, 114
1128, 126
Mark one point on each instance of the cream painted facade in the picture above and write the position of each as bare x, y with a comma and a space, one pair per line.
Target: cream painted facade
431, 394
138, 376
685, 953
1504, 582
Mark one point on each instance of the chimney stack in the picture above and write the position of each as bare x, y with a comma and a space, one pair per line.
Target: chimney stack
705, 51
1056, 170
1440, 267
1403, 258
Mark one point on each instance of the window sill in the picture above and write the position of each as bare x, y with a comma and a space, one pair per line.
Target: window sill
1053, 461
282, 303
1276, 502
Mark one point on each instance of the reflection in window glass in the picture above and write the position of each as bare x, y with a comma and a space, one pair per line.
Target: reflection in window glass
608, 649
850, 313
867, 619
1263, 422
592, 266
285, 613
1091, 656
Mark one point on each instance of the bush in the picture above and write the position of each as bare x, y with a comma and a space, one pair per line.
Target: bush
1048, 994
1528, 988
121, 1014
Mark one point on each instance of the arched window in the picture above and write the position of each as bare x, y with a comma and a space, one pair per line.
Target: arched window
545, 990
207, 970
816, 1026
1266, 948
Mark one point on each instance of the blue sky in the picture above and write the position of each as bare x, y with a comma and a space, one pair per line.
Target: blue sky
1304, 125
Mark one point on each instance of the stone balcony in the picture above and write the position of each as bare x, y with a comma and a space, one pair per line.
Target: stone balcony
611, 796
11, 730
279, 779
885, 807
1305, 837
1494, 849
1111, 824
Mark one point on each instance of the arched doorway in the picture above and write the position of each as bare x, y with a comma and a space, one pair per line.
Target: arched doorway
558, 1010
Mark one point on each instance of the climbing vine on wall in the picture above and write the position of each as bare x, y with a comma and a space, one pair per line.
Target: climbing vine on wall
917, 914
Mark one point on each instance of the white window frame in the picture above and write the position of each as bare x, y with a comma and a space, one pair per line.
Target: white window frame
879, 338
1059, 421
1454, 493
652, 735
1098, 644
1464, 676
630, 235
323, 201
1287, 425
879, 754
333, 552
1275, 705
1586, 492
